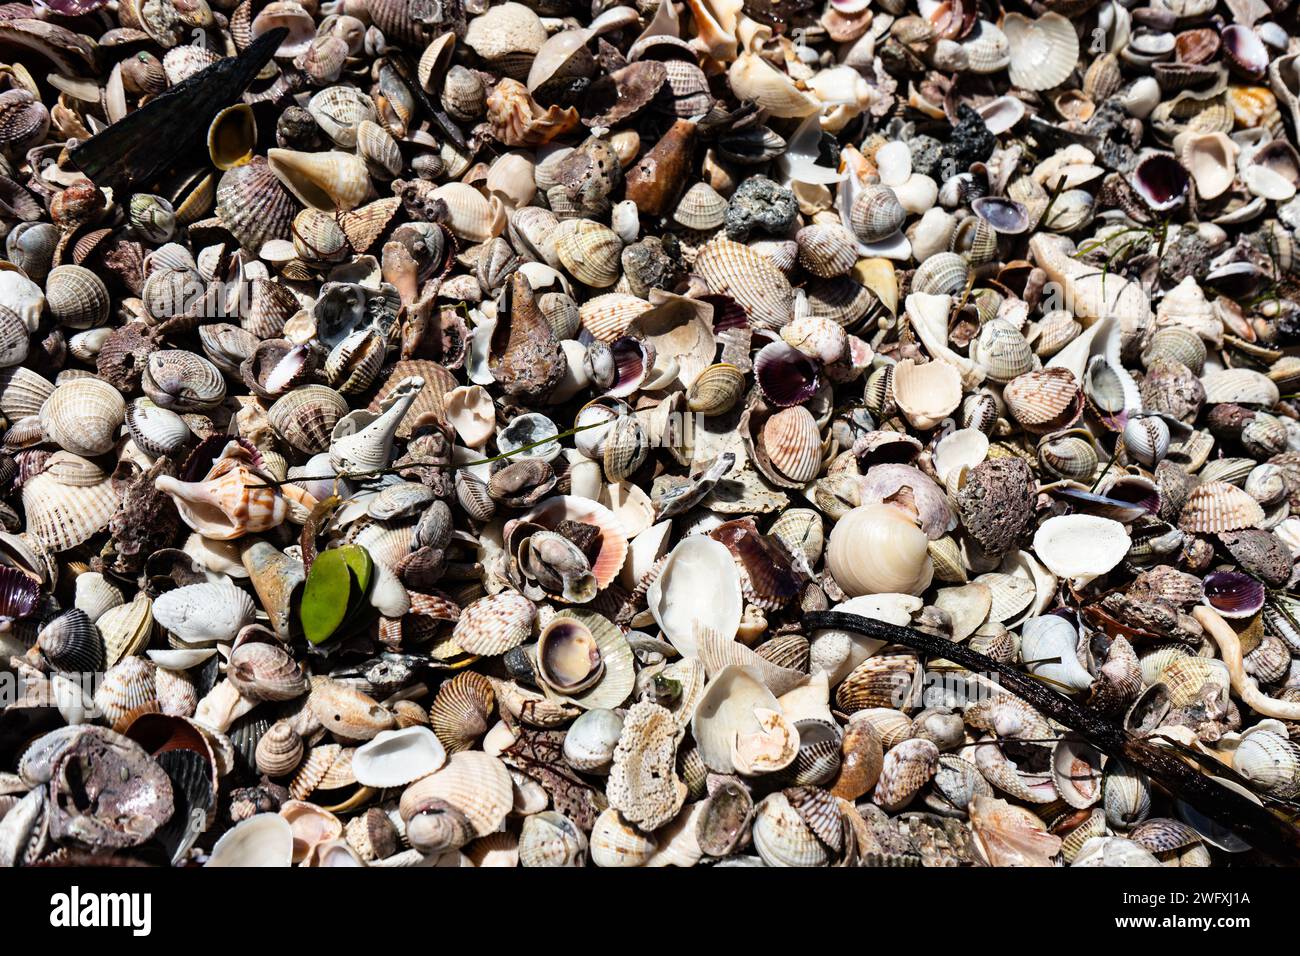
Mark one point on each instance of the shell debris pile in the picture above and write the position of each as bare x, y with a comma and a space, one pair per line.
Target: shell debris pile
426, 426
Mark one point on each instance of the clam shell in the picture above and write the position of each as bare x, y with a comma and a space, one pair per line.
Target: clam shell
749, 277
1216, 506
76, 297
83, 416
493, 625
395, 758
461, 711
1043, 52
589, 251
306, 417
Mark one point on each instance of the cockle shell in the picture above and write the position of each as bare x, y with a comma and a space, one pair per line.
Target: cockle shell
875, 549
83, 416
494, 624
698, 587
207, 612
750, 278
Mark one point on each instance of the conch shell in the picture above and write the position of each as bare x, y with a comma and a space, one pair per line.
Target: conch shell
232, 500
524, 355
362, 441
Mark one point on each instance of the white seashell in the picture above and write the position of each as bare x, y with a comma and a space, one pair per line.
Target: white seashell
264, 839
1051, 636
362, 441
728, 710
470, 410
1043, 51
1080, 547
875, 549
926, 394
894, 163
395, 758
963, 448
699, 586
206, 612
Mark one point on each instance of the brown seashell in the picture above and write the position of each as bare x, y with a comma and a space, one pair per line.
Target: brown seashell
524, 354
659, 176
461, 711
750, 278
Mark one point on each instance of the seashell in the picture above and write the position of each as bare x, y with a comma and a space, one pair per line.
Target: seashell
493, 625
907, 768
1211, 160
339, 111
1217, 506
396, 758
615, 841
76, 297
62, 515
461, 710
1042, 52
158, 431
280, 750
1002, 352
95, 595
827, 250
1068, 455
127, 689
205, 612
71, 643
697, 587
1270, 762
362, 441
876, 213
254, 205
1146, 440
589, 251
716, 390
264, 839
330, 181
700, 208
926, 394
1233, 594
260, 671
126, 629
782, 838
1051, 643
1241, 386
944, 273
83, 416
785, 375
551, 839
749, 277
231, 500
874, 549
590, 742
182, 381
1043, 401
1080, 547
232, 136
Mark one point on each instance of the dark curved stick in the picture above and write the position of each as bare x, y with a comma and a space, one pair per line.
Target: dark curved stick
1262, 829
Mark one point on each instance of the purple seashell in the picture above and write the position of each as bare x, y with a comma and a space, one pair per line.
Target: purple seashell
633, 359
785, 375
1233, 594
1245, 49
1161, 181
1006, 216
19, 595
70, 8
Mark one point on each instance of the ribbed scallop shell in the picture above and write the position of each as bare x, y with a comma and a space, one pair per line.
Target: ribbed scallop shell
1039, 399
1043, 51
158, 431
126, 629
792, 442
1241, 385
827, 250
1216, 506
944, 273
1068, 456
607, 317
71, 643
551, 839
22, 392
62, 516
476, 784
907, 768
461, 711
589, 251
76, 297
886, 680
254, 205
876, 213
750, 278
305, 417
264, 671
83, 416
127, 689
700, 208
280, 750
494, 624
1002, 351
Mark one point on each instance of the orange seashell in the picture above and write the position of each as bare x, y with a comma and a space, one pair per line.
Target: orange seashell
232, 499
1042, 400
517, 119
659, 176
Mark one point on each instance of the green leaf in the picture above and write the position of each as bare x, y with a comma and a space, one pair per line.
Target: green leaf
337, 576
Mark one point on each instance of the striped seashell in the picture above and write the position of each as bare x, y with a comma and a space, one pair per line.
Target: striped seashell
1002, 351
339, 111
890, 726
749, 277
551, 839
346, 711
1243, 386
178, 695
280, 750
71, 643
83, 416
907, 768
792, 442
380, 151
126, 690
876, 213
1215, 506
364, 225
1054, 331
1146, 440
22, 392
254, 205
944, 273
626, 447
1042, 400
461, 711
229, 502
716, 390
494, 624
827, 250
182, 381
62, 516
306, 416
475, 783
608, 317
700, 208
1043, 51
1068, 455
313, 767
782, 838
158, 431
589, 251
76, 297
126, 629
887, 680
263, 671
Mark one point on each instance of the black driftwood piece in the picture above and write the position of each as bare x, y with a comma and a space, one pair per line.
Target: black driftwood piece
1265, 831
138, 149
